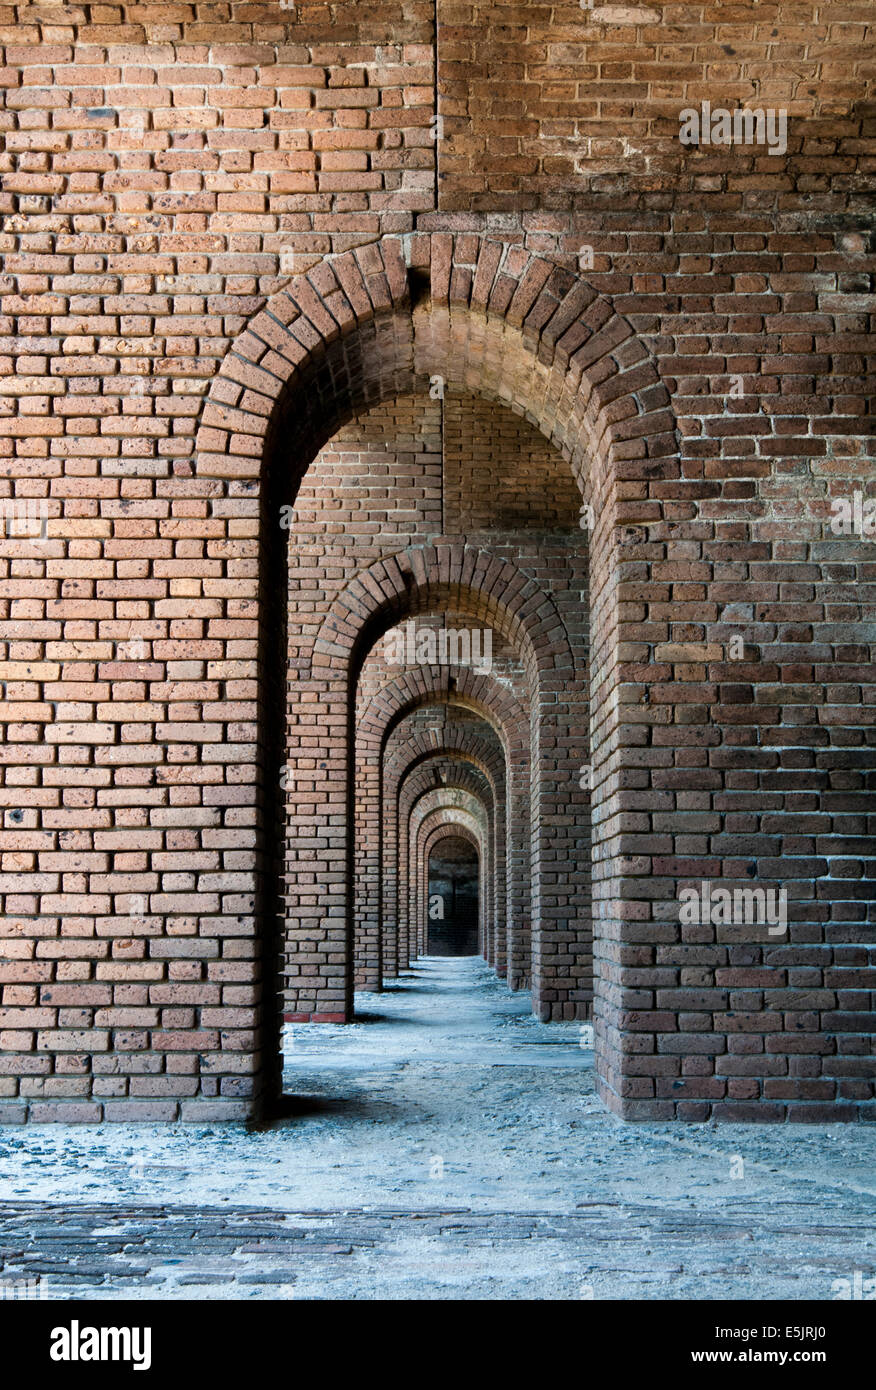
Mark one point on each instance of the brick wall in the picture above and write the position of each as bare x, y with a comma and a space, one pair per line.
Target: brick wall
688, 331
543, 103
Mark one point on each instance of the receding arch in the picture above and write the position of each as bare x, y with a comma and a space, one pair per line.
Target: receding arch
467, 579
425, 576
446, 828
459, 775
458, 862
440, 764
476, 750
410, 690
436, 808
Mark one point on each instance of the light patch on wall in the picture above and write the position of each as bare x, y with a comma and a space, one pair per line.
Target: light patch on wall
623, 14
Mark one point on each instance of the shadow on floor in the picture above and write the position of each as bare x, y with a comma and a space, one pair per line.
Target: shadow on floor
388, 1018
350, 1109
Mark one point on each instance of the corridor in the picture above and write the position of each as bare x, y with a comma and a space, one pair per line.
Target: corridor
445, 1144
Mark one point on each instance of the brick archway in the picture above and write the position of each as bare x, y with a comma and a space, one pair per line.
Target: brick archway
422, 577
438, 769
481, 750
167, 384
474, 582
512, 327
435, 810
377, 836
461, 775
453, 830
580, 372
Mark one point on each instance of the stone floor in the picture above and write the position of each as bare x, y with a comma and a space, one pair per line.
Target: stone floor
445, 1145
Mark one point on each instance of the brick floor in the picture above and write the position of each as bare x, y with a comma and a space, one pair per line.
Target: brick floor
446, 1144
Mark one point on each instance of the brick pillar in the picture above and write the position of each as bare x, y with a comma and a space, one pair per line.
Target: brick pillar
318, 966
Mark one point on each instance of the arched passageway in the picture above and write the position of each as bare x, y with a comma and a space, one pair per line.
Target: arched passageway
441, 437
453, 897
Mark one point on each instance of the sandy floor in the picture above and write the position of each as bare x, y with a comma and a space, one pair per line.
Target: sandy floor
446, 1143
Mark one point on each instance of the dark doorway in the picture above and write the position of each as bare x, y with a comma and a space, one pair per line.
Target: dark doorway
453, 898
